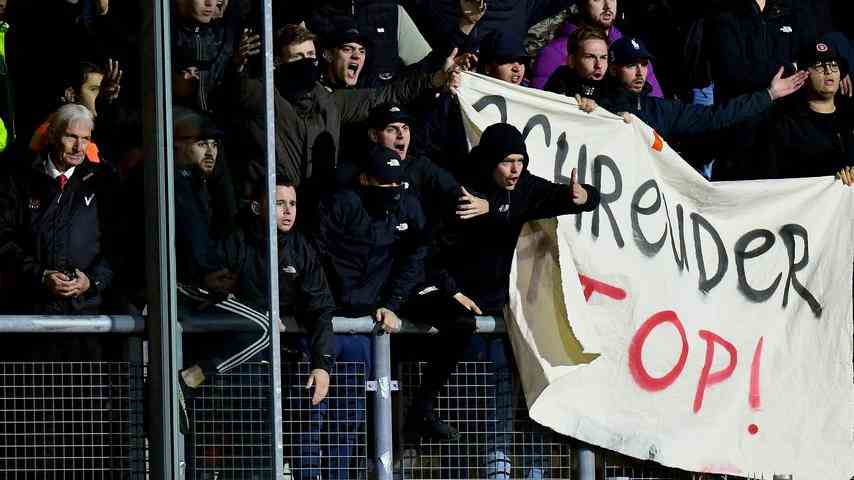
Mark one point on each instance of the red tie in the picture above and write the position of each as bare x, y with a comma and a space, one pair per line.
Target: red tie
61, 181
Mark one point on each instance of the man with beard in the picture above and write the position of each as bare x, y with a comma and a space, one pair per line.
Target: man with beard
629, 67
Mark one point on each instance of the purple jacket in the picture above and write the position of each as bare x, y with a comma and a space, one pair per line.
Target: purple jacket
553, 55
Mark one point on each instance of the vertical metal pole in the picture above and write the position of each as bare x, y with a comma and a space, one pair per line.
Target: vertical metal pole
586, 463
273, 259
166, 454
383, 432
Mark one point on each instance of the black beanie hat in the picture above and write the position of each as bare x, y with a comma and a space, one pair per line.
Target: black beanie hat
498, 141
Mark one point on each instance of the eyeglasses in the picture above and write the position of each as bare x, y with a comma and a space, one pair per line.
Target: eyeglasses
831, 66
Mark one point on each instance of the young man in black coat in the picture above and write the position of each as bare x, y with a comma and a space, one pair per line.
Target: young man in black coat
586, 67
470, 272
813, 134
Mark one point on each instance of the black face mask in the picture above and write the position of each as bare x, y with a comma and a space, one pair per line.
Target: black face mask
380, 199
294, 79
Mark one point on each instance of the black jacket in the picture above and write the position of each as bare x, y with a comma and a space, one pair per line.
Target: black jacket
209, 47
746, 47
196, 223
475, 255
803, 143
566, 82
672, 119
303, 290
41, 229
374, 255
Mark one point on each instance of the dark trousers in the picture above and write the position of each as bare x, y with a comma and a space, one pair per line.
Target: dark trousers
456, 326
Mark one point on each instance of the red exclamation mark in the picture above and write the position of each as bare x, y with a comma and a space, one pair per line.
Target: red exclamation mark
754, 398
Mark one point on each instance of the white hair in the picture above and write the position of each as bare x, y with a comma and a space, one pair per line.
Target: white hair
65, 116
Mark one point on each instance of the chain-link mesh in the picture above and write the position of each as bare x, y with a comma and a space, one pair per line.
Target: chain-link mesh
69, 420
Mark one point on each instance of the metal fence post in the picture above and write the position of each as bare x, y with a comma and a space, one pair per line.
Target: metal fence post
382, 416
586, 463
277, 461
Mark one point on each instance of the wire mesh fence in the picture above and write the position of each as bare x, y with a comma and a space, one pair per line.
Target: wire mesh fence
70, 420
230, 435
497, 439
328, 440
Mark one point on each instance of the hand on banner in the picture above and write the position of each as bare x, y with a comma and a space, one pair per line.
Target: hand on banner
579, 193
847, 176
388, 320
781, 87
585, 104
319, 378
470, 206
467, 303
627, 117
466, 61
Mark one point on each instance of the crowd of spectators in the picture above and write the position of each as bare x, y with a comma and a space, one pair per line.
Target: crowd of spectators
396, 216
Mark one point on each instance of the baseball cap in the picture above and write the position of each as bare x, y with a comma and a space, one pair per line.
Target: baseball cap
502, 47
628, 50
383, 115
823, 53
384, 164
343, 33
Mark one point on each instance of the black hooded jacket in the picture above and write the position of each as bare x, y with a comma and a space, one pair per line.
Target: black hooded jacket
474, 256
374, 253
43, 229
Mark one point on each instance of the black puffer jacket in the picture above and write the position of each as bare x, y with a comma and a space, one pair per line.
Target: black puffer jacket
374, 254
43, 229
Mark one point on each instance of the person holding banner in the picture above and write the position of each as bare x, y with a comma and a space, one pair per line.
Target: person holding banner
629, 66
475, 256
586, 65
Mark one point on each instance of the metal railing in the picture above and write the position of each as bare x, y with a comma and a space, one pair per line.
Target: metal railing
88, 417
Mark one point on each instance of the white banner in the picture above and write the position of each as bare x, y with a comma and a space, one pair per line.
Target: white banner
703, 326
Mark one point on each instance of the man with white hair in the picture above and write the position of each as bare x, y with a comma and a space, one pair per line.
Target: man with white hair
54, 221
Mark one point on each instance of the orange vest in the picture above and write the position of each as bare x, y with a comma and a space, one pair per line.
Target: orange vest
39, 143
